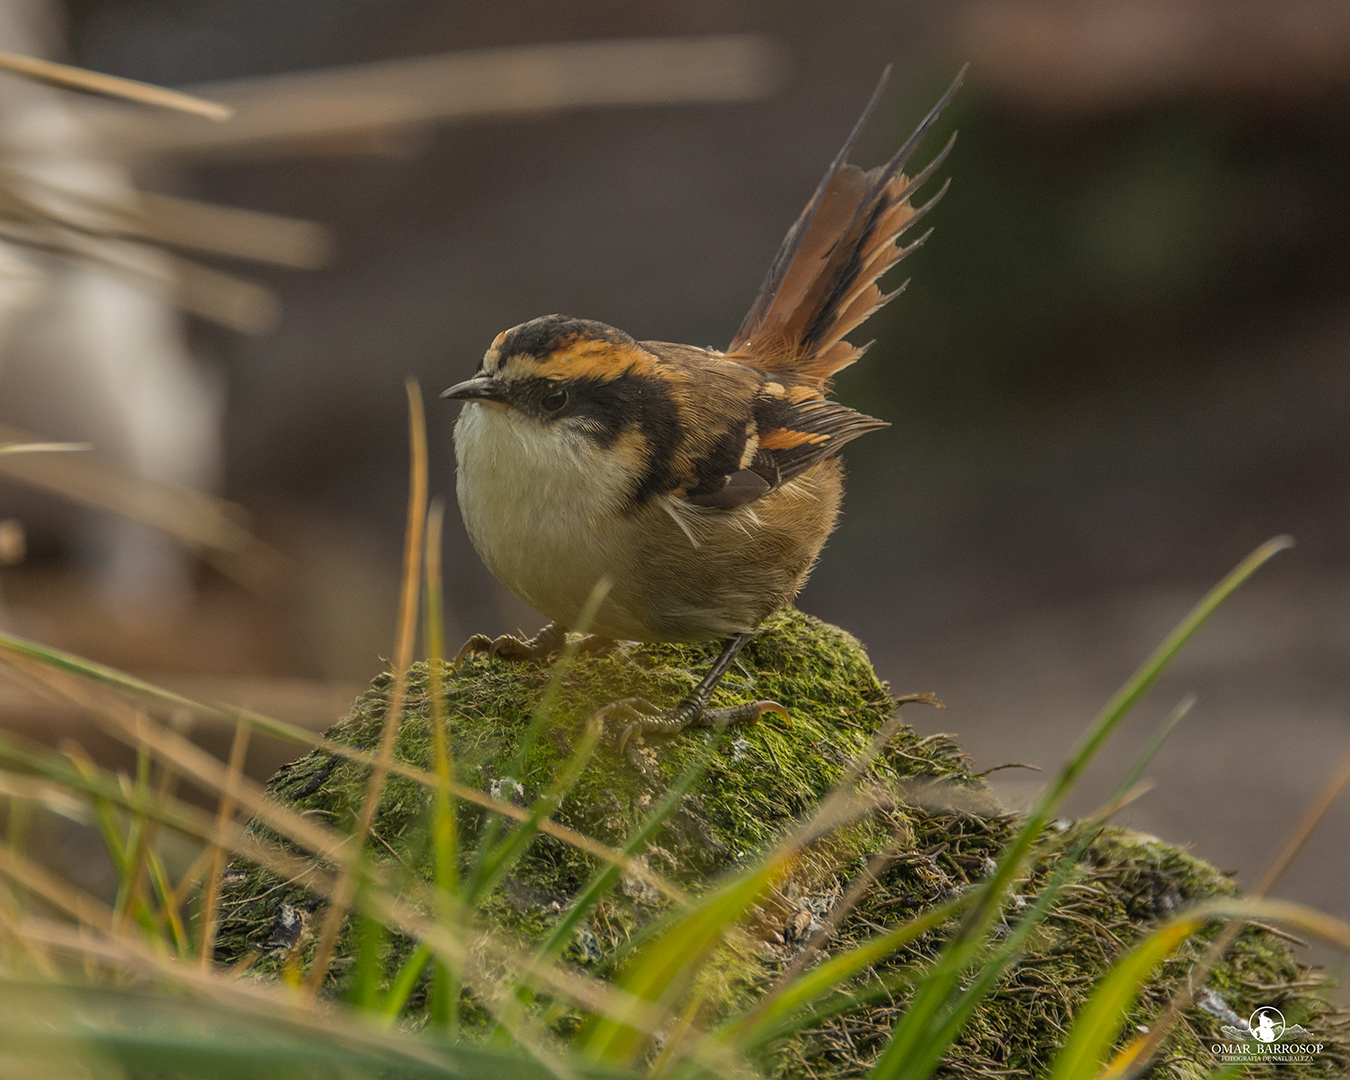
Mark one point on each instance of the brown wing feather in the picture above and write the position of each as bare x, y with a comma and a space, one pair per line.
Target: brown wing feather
783, 430
822, 283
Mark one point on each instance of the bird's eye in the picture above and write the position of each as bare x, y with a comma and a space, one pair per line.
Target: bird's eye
554, 400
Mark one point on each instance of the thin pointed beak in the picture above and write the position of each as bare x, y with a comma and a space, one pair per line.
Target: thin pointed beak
479, 388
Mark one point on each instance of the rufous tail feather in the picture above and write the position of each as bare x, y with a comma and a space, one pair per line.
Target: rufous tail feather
823, 281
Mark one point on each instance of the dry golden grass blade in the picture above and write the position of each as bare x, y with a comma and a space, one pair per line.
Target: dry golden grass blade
94, 82
481, 956
40, 212
1307, 825
143, 831
207, 525
192, 876
112, 236
189, 820
342, 107
414, 538
44, 447
252, 996
273, 998
229, 230
482, 967
231, 301
269, 1003
115, 233
1112, 807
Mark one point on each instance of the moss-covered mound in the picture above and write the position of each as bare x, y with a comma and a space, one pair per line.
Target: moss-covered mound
757, 783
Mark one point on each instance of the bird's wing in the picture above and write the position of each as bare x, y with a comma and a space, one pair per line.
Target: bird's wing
787, 429
822, 283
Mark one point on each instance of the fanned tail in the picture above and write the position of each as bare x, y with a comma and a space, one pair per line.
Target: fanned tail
823, 281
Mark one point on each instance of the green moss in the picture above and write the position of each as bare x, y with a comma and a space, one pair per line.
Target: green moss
757, 783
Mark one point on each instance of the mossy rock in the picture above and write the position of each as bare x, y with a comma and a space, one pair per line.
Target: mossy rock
757, 784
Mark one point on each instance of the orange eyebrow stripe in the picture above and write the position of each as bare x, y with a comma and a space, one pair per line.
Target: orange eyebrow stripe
786, 439
600, 360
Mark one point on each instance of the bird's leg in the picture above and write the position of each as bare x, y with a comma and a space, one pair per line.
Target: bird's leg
544, 645
642, 717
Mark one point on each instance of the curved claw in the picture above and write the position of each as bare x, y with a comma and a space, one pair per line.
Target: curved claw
762, 707
749, 713
478, 645
635, 728
630, 709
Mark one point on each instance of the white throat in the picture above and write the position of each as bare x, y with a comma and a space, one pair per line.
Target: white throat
536, 499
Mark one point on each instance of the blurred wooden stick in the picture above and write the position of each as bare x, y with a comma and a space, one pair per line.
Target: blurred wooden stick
211, 527
95, 82
284, 113
228, 230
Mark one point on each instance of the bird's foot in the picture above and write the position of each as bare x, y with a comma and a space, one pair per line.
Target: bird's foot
548, 642
623, 719
545, 645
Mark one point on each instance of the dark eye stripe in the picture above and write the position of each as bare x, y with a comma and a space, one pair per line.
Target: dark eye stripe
609, 407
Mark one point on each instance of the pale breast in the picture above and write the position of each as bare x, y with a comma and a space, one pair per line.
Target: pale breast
535, 502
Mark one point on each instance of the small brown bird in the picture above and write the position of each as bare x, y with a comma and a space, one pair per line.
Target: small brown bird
698, 485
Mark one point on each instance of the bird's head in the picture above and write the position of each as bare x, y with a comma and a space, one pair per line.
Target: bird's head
578, 373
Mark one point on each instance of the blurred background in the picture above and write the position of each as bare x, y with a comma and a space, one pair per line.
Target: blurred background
1122, 362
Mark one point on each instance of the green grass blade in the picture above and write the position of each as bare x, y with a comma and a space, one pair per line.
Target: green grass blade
159, 878
96, 673
444, 1004
992, 969
1227, 1072
920, 1020
881, 989
827, 977
670, 962
405, 982
544, 710
609, 875
1100, 1021
487, 848
673, 959
113, 1033
129, 871
367, 968
496, 863
111, 678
